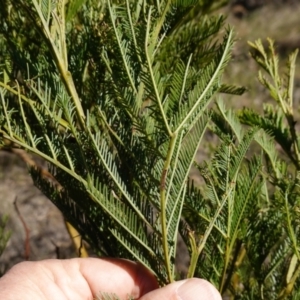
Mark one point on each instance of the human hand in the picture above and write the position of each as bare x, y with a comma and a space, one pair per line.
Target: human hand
85, 278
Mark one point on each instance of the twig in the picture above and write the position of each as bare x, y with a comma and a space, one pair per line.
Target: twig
27, 231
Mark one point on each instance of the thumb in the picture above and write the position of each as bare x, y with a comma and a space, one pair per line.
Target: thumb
190, 289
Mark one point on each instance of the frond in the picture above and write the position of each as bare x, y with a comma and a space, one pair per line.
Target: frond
179, 171
194, 37
233, 90
78, 211
228, 121
198, 98
271, 122
240, 153
247, 194
268, 146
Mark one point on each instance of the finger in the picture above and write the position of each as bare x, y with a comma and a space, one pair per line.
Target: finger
79, 278
118, 276
190, 289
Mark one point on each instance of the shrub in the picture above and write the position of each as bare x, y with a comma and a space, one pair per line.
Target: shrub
116, 96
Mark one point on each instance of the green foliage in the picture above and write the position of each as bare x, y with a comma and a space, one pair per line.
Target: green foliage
118, 119
273, 234
116, 96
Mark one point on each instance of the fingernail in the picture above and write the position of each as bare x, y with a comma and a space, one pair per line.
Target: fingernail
197, 289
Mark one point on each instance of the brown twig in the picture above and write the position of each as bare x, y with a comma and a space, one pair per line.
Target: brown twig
57, 249
27, 232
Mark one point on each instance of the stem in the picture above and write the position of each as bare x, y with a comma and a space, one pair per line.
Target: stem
204, 237
212, 223
60, 59
159, 24
150, 69
289, 287
133, 32
290, 228
226, 276
121, 47
163, 204
47, 158
194, 255
31, 102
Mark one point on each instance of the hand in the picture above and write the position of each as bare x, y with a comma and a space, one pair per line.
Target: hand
85, 278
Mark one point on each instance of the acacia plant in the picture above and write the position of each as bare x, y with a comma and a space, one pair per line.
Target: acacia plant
115, 96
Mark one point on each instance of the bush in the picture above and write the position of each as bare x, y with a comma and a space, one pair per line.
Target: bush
116, 96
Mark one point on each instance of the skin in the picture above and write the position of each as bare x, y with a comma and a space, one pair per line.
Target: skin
84, 278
